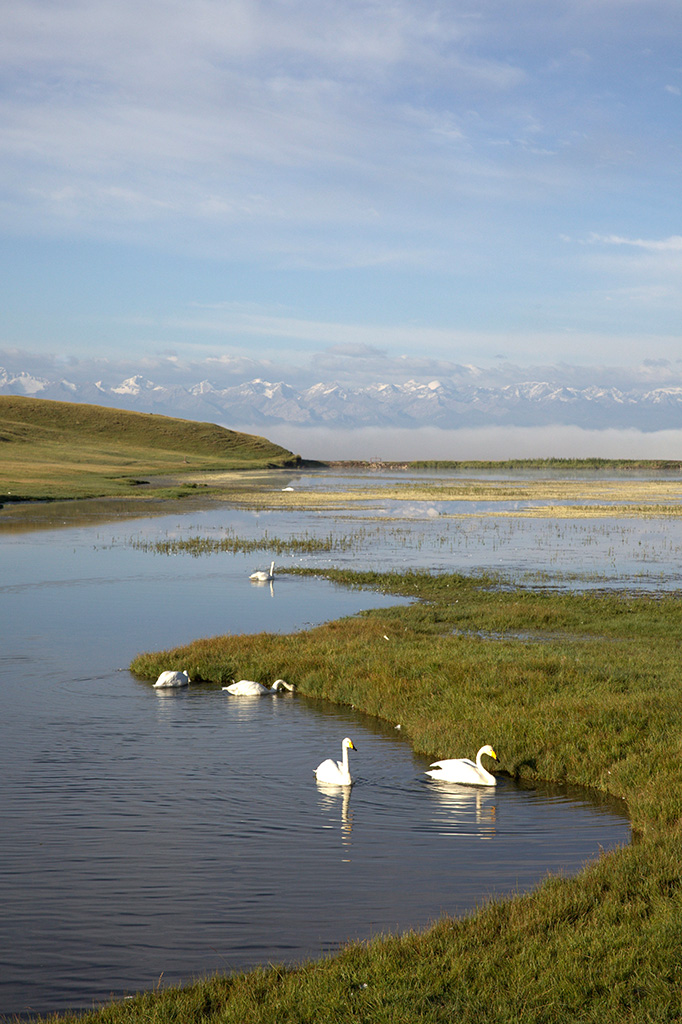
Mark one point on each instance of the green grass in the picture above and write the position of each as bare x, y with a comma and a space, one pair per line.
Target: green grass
599, 465
581, 689
52, 450
197, 546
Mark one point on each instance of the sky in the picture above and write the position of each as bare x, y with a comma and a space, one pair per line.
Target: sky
336, 190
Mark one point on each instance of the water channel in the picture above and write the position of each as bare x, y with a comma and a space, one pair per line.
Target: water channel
150, 837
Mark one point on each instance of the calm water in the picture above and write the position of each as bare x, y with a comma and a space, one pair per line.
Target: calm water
151, 835
642, 553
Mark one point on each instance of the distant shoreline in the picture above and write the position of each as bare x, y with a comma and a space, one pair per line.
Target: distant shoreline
629, 465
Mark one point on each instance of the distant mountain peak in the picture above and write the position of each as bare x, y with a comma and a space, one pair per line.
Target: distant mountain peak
440, 403
134, 385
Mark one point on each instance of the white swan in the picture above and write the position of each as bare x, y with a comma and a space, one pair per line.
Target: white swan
248, 688
262, 575
461, 769
168, 680
336, 773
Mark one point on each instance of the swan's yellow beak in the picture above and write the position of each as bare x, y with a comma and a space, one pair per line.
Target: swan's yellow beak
493, 754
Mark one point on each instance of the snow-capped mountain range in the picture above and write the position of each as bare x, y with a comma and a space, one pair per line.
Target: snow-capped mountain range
259, 403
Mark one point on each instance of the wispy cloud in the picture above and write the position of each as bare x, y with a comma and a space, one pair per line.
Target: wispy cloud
671, 244
276, 114
386, 183
350, 364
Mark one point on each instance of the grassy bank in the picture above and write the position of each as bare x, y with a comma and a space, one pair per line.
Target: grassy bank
570, 688
577, 688
597, 465
53, 450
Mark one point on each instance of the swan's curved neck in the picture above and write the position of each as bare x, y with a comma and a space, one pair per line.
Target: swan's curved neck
479, 764
344, 758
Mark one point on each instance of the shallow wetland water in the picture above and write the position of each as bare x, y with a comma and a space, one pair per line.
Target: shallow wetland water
152, 837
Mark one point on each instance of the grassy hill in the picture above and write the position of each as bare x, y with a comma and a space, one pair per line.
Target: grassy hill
66, 450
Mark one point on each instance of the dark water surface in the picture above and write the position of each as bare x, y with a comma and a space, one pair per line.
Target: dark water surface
155, 836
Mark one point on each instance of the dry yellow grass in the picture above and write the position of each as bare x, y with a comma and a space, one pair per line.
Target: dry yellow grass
565, 499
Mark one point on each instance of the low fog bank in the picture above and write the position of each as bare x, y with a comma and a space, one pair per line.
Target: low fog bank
562, 442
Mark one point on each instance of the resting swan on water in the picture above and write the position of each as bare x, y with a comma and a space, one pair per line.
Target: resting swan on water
262, 575
462, 770
336, 773
248, 688
169, 680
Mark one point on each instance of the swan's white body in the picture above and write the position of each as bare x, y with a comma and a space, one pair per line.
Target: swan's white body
248, 688
262, 576
462, 770
171, 680
336, 773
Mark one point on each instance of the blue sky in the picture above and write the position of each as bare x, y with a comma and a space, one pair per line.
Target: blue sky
332, 190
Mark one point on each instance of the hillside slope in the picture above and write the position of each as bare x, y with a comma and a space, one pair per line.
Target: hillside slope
62, 449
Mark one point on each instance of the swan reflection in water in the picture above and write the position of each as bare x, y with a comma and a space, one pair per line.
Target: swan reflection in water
167, 702
264, 583
332, 799
460, 806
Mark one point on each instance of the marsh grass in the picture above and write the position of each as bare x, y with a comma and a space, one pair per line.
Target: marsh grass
568, 688
586, 511
620, 466
197, 546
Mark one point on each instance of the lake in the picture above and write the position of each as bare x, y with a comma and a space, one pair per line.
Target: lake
151, 837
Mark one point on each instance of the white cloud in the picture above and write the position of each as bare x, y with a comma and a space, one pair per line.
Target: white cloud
353, 364
671, 244
298, 113
402, 168
327, 344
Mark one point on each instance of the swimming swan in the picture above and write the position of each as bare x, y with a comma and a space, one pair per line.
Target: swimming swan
463, 770
168, 680
247, 688
262, 576
336, 773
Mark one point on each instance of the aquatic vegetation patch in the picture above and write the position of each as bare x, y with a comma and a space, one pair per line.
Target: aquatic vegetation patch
588, 511
197, 546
